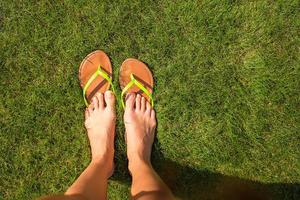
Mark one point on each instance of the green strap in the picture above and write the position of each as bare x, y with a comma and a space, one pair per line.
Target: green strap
132, 82
99, 72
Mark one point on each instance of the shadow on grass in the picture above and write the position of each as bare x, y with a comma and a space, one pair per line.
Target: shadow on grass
188, 183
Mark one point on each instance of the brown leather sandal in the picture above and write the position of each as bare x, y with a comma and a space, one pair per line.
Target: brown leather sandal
135, 77
95, 75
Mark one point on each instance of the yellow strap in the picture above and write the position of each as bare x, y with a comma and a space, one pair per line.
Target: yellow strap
99, 72
132, 82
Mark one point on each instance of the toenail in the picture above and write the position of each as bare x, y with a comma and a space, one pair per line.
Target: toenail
130, 95
108, 94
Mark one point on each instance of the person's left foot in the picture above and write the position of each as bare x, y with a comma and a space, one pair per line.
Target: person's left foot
100, 120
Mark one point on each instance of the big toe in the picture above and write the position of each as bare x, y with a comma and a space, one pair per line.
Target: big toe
110, 99
130, 100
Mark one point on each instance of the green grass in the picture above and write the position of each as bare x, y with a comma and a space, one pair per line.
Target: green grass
227, 93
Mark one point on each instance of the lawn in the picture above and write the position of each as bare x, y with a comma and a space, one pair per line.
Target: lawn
227, 93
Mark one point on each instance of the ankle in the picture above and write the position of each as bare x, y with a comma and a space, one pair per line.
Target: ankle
100, 162
102, 150
105, 165
103, 159
137, 163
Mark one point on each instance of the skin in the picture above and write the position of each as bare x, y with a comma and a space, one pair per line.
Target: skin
140, 124
100, 120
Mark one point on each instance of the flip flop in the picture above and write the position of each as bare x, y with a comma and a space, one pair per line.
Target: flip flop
136, 77
95, 75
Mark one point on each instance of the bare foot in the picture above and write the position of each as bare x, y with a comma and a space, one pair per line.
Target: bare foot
140, 123
100, 120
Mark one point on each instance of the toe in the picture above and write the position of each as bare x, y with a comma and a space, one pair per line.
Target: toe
130, 100
152, 117
143, 104
148, 108
87, 113
101, 100
91, 108
95, 102
109, 99
138, 102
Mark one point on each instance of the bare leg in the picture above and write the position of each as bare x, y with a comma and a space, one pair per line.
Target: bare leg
140, 123
100, 124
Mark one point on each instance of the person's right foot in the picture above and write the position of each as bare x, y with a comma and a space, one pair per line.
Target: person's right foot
140, 123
